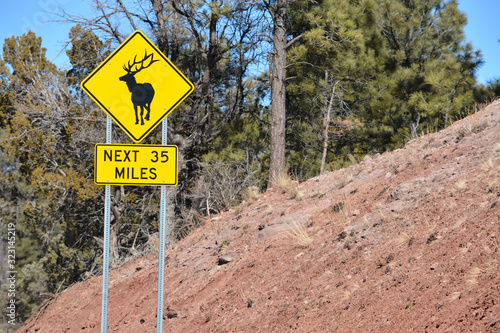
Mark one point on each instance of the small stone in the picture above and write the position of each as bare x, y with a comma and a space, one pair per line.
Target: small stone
227, 258
298, 256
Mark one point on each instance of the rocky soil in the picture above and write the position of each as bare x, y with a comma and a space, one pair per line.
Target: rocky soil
406, 241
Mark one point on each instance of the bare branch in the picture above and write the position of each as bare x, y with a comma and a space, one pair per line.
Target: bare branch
127, 13
293, 41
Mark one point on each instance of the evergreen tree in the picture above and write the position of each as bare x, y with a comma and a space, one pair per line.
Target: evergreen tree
56, 213
487, 93
328, 71
86, 53
428, 72
368, 75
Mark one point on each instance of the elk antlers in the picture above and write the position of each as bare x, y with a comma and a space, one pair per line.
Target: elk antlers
129, 66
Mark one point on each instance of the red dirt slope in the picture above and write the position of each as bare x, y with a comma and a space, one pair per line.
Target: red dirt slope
405, 241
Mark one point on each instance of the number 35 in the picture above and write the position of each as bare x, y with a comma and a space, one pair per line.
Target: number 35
164, 157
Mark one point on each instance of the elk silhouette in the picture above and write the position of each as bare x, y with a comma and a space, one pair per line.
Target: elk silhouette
142, 93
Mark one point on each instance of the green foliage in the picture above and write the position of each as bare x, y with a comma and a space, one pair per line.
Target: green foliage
5, 97
428, 71
31, 284
52, 198
330, 70
235, 162
383, 69
86, 53
26, 56
487, 93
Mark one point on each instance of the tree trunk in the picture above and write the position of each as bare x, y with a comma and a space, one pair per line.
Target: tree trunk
114, 250
326, 123
162, 33
277, 71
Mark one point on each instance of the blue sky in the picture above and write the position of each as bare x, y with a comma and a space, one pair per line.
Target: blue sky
483, 31
17, 16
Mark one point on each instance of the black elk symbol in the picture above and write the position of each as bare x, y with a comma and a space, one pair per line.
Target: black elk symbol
142, 93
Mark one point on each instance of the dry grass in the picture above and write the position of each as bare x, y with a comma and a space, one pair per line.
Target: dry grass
497, 147
461, 185
488, 165
490, 268
223, 247
299, 195
191, 219
472, 280
251, 193
403, 239
430, 228
491, 186
449, 204
284, 181
455, 296
346, 294
471, 127
345, 181
485, 270
342, 212
298, 233
249, 302
353, 159
154, 242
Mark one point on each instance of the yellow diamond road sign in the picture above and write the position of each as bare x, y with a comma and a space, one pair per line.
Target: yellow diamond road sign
120, 164
137, 86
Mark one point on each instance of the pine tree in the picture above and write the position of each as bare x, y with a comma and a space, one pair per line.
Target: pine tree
57, 214
329, 67
86, 53
370, 74
428, 71
486, 93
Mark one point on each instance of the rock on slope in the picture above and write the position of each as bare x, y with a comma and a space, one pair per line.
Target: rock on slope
404, 241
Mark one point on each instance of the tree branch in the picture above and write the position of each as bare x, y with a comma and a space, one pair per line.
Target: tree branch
293, 41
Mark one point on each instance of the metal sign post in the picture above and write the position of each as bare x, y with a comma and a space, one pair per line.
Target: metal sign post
161, 254
105, 259
128, 166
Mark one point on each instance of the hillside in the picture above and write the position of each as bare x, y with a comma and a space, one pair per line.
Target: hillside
404, 241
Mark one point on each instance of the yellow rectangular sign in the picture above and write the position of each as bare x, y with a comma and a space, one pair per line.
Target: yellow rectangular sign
149, 165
